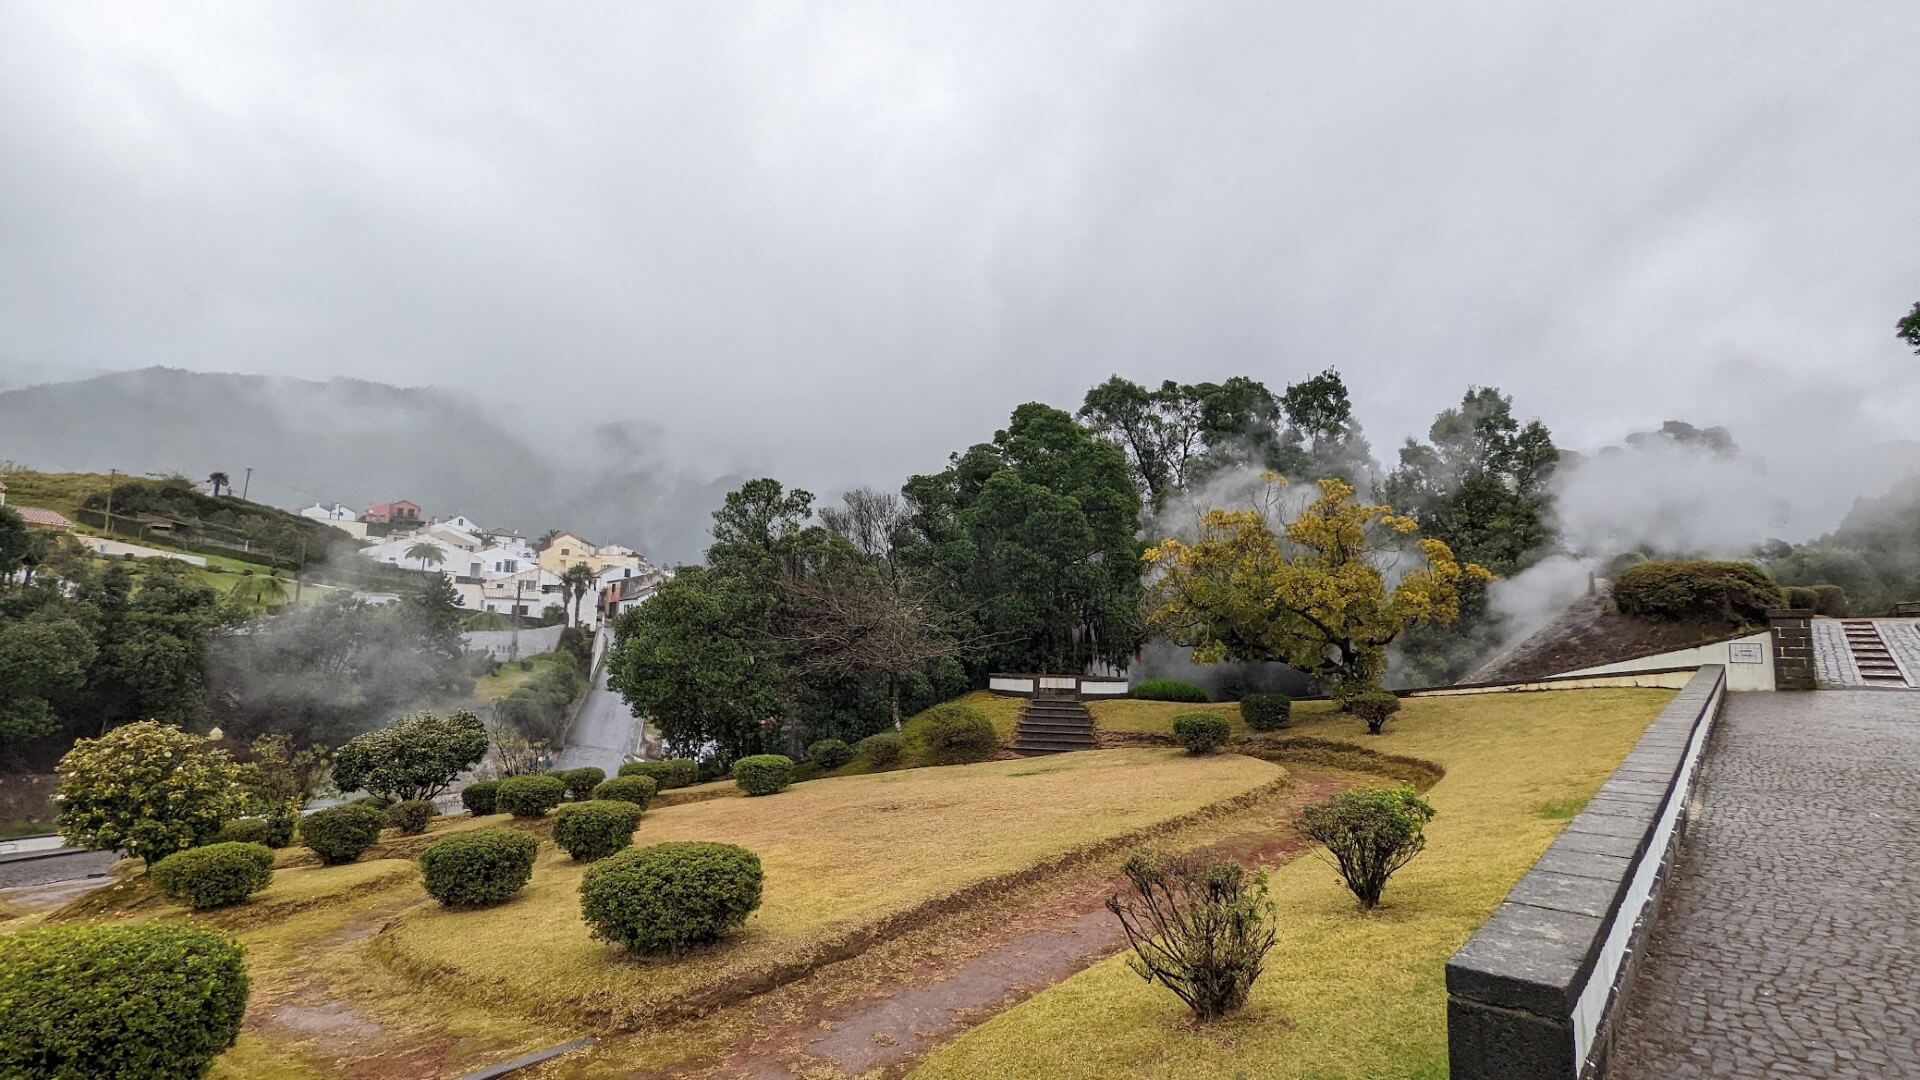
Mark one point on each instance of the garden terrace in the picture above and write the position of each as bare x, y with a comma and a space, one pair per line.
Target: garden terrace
1346, 993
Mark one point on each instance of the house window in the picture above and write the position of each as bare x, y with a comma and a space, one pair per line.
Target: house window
564, 551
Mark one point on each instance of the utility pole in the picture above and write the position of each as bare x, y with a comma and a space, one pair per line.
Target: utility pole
112, 475
299, 576
246, 483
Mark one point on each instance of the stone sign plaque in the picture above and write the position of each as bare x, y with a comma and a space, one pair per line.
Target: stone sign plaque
1746, 652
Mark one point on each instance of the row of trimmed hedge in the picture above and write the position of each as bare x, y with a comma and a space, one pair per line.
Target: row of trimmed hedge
1732, 592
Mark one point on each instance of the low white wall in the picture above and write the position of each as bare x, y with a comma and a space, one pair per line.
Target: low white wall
1006, 685
1748, 660
1103, 688
1663, 680
499, 643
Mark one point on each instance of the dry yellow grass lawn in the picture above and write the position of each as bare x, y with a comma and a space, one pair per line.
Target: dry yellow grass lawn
1345, 994
842, 857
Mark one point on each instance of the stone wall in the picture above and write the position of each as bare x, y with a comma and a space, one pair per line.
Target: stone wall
1793, 665
1531, 995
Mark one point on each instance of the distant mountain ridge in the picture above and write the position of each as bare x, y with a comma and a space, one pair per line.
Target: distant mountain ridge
356, 442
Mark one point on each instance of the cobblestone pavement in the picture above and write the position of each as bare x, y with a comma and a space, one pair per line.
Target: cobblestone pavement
1832, 660
1903, 641
1789, 939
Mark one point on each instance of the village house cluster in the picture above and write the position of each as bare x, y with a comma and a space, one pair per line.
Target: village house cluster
498, 570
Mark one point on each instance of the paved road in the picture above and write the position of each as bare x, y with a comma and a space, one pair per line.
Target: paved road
40, 868
603, 730
1789, 940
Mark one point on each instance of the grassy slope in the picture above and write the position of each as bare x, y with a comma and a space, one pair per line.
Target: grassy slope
1345, 994
841, 855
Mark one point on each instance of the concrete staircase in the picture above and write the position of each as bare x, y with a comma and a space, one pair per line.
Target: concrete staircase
1053, 724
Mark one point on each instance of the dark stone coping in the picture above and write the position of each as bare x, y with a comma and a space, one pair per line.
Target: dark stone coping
1515, 987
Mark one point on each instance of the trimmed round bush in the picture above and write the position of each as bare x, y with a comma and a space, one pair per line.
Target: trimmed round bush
1370, 835
880, 751
1802, 598
1733, 592
474, 869
1168, 690
763, 774
1201, 732
135, 1000
480, 797
530, 796
341, 834
378, 802
246, 830
411, 817
668, 773
1374, 706
1266, 712
955, 734
670, 897
581, 782
638, 790
214, 876
1831, 600
830, 753
594, 829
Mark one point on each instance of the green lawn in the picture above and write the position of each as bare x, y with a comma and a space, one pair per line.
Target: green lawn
1345, 994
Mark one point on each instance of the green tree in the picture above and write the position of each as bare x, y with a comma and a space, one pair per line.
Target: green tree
1032, 540
1908, 328
426, 553
1322, 439
151, 645
577, 581
1176, 436
695, 662
39, 656
148, 789
17, 545
417, 757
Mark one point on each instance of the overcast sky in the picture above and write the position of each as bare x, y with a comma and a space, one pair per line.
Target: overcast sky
837, 241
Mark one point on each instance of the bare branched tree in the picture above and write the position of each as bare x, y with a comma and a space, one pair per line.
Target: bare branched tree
1199, 926
857, 622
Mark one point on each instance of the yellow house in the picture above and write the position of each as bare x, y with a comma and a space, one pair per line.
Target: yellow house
571, 549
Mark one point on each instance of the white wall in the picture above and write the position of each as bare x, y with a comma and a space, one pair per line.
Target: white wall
1741, 675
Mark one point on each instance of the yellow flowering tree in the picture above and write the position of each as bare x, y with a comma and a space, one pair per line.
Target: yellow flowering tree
147, 789
1313, 593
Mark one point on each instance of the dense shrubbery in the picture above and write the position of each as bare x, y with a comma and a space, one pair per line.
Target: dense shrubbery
594, 829
829, 753
145, 1001
1802, 597
478, 868
530, 796
411, 817
1369, 835
246, 830
670, 897
1831, 600
763, 774
1168, 690
341, 834
638, 790
539, 708
480, 797
213, 876
955, 734
667, 773
1200, 732
880, 751
1266, 712
581, 782
1199, 927
1375, 707
1733, 592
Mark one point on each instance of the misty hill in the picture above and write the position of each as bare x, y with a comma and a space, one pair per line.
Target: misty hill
356, 442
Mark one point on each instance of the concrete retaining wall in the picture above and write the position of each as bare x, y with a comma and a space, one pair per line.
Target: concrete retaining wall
1749, 661
1531, 996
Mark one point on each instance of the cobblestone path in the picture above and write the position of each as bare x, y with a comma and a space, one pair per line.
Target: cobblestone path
1789, 940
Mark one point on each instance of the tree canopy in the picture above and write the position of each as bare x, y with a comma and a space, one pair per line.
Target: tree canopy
1312, 593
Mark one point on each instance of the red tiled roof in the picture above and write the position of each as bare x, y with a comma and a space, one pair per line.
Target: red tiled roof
46, 519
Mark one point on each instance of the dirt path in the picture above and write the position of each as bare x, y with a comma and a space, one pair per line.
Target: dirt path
1043, 939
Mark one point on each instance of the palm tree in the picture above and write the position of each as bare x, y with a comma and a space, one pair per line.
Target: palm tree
578, 581
546, 540
265, 590
426, 553
219, 480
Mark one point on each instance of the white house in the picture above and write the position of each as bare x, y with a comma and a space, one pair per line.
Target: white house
454, 537
344, 518
501, 560
464, 523
525, 593
623, 594
393, 552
